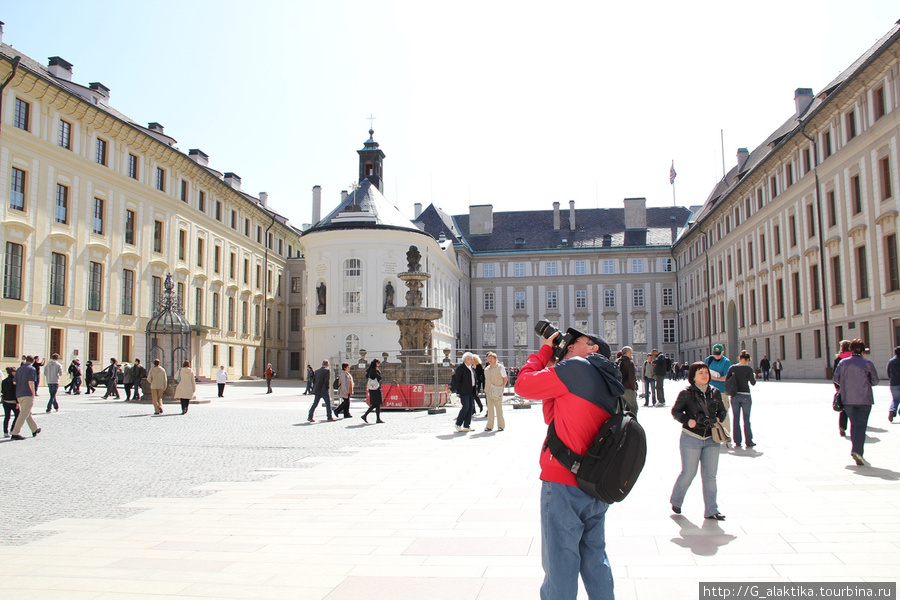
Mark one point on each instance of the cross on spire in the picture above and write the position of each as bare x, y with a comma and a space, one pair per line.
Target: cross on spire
371, 118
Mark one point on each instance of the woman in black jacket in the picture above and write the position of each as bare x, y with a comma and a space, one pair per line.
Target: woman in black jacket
373, 374
10, 402
89, 377
697, 408
741, 400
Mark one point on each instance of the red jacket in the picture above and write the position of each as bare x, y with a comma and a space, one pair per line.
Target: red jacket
578, 394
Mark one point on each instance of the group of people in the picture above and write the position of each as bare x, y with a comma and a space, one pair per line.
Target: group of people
854, 377
469, 380
319, 382
766, 368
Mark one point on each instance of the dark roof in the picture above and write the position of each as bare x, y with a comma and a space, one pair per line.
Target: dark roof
517, 231
435, 221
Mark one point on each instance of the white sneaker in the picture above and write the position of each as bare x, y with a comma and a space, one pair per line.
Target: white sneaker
458, 428
465, 429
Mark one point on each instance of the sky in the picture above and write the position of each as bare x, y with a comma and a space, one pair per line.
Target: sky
514, 104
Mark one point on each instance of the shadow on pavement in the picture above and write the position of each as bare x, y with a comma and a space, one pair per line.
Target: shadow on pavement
885, 474
704, 540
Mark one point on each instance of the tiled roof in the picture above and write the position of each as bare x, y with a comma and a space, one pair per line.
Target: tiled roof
364, 208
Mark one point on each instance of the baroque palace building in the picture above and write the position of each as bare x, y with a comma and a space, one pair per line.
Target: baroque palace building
796, 248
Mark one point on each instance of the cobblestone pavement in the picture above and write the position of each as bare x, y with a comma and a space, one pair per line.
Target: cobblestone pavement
94, 455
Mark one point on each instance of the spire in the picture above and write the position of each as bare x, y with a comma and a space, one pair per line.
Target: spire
370, 161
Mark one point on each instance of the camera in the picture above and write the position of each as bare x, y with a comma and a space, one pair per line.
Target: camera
703, 421
561, 343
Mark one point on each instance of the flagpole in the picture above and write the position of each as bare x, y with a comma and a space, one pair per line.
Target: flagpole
673, 194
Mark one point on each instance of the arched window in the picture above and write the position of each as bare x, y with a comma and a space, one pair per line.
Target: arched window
352, 347
352, 292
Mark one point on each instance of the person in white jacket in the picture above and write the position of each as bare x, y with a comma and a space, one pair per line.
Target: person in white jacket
221, 378
186, 387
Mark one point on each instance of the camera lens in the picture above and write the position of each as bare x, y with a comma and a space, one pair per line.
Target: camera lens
544, 329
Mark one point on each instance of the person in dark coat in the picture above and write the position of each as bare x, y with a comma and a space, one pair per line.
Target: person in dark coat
466, 383
111, 383
660, 369
309, 379
89, 377
10, 402
321, 383
855, 376
373, 374
629, 378
479, 383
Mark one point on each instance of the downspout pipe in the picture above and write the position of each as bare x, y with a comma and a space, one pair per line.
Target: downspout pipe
15, 67
265, 287
822, 265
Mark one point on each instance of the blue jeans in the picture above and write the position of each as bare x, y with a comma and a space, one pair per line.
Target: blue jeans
464, 418
859, 420
741, 403
649, 390
53, 387
573, 540
325, 401
895, 394
704, 453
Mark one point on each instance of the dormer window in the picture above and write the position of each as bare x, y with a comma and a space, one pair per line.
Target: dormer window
520, 241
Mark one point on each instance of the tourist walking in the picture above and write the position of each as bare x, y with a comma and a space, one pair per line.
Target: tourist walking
10, 402
777, 367
465, 384
113, 372
496, 380
764, 367
321, 387
269, 374
309, 379
127, 380
345, 388
841, 355
893, 371
89, 378
38, 365
479, 383
741, 400
697, 408
138, 373
158, 381
25, 386
221, 380
52, 372
74, 385
649, 382
660, 369
373, 385
855, 376
186, 387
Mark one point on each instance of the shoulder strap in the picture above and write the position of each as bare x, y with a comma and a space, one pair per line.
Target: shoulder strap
566, 457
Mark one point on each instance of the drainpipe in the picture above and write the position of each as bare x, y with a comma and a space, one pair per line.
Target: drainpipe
709, 313
265, 288
15, 67
822, 265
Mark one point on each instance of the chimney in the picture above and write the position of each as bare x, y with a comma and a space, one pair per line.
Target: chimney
264, 199
635, 213
417, 208
481, 219
101, 90
556, 216
1, 31
344, 195
199, 156
317, 203
742, 155
60, 68
571, 215
156, 128
803, 97
231, 179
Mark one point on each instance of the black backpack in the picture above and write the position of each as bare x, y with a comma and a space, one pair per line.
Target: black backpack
454, 387
613, 462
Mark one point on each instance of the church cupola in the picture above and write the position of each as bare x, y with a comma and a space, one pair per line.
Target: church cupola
371, 159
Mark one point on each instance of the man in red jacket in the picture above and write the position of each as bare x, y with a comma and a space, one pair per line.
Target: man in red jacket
579, 394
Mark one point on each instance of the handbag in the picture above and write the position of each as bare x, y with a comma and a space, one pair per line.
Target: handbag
837, 404
373, 384
717, 430
731, 385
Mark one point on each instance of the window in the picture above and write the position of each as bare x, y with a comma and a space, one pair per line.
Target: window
638, 297
160, 179
762, 248
179, 294
753, 307
352, 286
20, 116
200, 248
256, 320
759, 198
639, 331
551, 269
637, 265
182, 244
667, 265
851, 125
218, 210
862, 273
62, 203
64, 139
878, 105
129, 227
519, 300
741, 321
126, 348
519, 269
798, 340
608, 267
788, 175
215, 354
580, 299
890, 263
201, 201
520, 330
817, 342
247, 227
215, 310
792, 230
217, 261
127, 292
750, 254
779, 298
95, 287
258, 276
814, 287
295, 319
776, 239
856, 195
489, 334
12, 272
10, 341
198, 306
258, 234
155, 294
807, 160
611, 331
773, 186
810, 221
826, 144
55, 341
234, 220
230, 314
837, 287
98, 216
93, 345
740, 261
668, 331
158, 236
351, 345
798, 299
552, 300
132, 166
668, 296
232, 266
884, 178
609, 298
489, 301
296, 284
247, 272
184, 190
488, 269
100, 156
17, 189
580, 267
831, 207
58, 279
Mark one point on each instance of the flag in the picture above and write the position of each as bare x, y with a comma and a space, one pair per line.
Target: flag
672, 173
